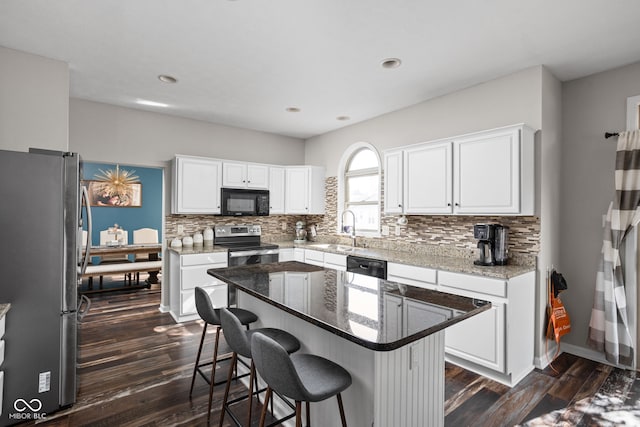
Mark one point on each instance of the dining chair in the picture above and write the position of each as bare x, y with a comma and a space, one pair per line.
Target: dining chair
141, 236
107, 236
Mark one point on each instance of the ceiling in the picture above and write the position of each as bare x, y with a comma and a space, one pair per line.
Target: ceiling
243, 62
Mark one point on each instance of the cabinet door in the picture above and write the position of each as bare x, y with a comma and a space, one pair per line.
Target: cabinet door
196, 186
480, 339
276, 190
296, 196
392, 325
234, 175
393, 182
257, 176
296, 291
428, 179
314, 257
420, 316
487, 173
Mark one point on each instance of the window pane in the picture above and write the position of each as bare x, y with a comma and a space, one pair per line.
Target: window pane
366, 217
362, 188
363, 159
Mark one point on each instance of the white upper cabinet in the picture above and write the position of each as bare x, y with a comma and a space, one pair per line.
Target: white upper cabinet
492, 175
428, 179
276, 189
393, 182
304, 190
196, 185
485, 173
245, 175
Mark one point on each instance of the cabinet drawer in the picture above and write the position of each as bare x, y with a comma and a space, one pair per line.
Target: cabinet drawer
339, 262
218, 295
285, 255
202, 259
190, 277
479, 284
411, 275
314, 257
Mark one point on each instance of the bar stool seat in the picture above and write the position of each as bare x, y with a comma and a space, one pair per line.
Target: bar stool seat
211, 316
240, 342
301, 377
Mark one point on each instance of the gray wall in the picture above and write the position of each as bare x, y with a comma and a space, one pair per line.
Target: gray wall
591, 106
112, 134
515, 98
34, 102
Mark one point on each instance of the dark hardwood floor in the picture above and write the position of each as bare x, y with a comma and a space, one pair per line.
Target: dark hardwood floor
135, 367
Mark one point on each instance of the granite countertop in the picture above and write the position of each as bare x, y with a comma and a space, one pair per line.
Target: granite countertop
351, 305
197, 249
446, 263
4, 308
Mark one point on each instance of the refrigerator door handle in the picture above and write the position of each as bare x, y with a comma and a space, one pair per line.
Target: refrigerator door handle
87, 253
81, 313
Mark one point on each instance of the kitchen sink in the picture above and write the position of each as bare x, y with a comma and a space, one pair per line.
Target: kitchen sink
332, 246
342, 248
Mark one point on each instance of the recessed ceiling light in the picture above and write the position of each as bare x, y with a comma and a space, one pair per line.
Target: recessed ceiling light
293, 109
391, 63
167, 79
151, 103
343, 118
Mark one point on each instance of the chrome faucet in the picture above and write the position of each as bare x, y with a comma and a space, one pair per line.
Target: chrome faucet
353, 227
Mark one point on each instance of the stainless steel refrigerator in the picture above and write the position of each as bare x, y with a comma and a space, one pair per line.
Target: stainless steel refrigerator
40, 255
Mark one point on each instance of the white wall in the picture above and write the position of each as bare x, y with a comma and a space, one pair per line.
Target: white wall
515, 98
34, 102
591, 106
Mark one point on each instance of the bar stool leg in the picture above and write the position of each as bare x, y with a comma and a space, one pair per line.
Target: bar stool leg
234, 357
213, 368
195, 368
263, 415
298, 413
251, 379
308, 414
342, 417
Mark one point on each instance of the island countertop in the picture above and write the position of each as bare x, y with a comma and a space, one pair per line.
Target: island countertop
374, 313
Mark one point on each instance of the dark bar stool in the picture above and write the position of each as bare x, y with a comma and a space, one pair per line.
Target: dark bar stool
240, 342
211, 316
301, 377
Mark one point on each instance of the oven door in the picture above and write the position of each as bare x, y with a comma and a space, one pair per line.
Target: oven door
248, 257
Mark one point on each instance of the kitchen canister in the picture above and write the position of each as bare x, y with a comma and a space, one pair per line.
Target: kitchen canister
208, 235
198, 239
187, 241
176, 243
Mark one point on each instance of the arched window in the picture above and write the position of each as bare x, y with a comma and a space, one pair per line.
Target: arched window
360, 188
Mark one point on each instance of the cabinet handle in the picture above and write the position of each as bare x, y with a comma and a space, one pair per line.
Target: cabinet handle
448, 204
457, 204
399, 206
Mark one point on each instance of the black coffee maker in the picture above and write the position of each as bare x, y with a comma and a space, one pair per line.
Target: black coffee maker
485, 233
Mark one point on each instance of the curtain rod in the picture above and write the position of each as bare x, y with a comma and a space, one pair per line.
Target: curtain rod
608, 135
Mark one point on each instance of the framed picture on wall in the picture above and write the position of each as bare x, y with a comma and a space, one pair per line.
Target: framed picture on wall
106, 194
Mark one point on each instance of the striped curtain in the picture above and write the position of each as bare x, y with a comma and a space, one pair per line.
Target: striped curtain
609, 325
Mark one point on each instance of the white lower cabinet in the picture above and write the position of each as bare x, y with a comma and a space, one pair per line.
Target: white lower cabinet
286, 254
498, 343
186, 272
314, 257
325, 259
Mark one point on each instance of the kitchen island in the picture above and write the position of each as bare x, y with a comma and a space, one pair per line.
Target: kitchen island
390, 337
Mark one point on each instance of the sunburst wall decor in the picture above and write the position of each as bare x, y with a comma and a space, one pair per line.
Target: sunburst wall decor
115, 187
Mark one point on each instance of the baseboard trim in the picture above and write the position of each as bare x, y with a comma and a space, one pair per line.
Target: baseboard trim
546, 358
164, 308
590, 354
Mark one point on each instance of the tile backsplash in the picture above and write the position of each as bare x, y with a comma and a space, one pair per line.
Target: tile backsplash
449, 235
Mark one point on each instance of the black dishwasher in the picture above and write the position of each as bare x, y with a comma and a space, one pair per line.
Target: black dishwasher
367, 266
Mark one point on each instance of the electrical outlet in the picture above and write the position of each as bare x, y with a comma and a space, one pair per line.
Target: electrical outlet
385, 230
398, 229
283, 226
180, 229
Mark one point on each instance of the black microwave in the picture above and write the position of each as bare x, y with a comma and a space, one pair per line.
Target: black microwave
238, 202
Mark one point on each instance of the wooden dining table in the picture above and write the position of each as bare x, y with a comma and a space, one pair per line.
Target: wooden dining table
141, 248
